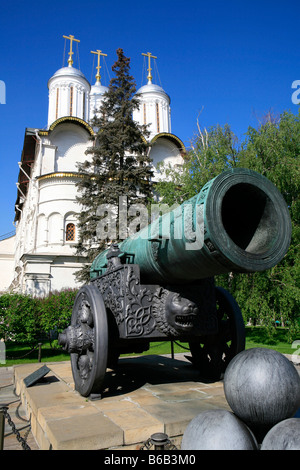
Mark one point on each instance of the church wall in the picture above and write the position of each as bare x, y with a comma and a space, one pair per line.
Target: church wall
43, 273
56, 188
54, 274
57, 208
55, 230
7, 251
163, 150
63, 275
67, 161
42, 232
71, 142
48, 158
26, 224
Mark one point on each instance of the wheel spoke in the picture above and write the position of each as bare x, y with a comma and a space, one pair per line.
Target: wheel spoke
211, 354
225, 331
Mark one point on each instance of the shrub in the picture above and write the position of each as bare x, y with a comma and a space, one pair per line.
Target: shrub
56, 310
26, 319
19, 318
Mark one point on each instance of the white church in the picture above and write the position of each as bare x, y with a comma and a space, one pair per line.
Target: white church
41, 256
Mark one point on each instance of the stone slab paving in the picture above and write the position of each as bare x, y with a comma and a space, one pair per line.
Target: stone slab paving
16, 411
146, 394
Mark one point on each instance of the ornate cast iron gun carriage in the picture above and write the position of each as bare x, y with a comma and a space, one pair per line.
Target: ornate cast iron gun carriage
153, 287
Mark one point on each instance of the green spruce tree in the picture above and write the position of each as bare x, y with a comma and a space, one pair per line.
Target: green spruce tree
118, 164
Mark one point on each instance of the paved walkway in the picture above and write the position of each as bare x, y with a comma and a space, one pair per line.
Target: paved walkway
147, 394
16, 412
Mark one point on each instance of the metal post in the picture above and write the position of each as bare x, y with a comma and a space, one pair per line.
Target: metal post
2, 424
172, 349
159, 440
40, 352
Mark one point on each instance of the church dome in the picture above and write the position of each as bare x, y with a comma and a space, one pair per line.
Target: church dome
98, 89
70, 72
152, 88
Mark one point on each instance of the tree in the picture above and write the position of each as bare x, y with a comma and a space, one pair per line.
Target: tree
273, 150
118, 165
212, 151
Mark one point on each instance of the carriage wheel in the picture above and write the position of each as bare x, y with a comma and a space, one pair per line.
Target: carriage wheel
89, 360
211, 354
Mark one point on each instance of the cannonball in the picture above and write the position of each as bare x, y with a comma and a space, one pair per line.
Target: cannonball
217, 430
283, 436
262, 387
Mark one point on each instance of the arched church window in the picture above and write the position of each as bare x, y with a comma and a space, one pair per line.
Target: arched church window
70, 233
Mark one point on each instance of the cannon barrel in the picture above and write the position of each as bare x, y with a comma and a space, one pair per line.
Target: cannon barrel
239, 222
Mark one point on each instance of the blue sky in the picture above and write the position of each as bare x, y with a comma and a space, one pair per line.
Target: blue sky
233, 60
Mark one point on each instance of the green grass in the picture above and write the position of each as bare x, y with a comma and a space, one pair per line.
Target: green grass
255, 337
20, 354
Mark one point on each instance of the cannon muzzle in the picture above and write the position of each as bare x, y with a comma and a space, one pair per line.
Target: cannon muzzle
239, 222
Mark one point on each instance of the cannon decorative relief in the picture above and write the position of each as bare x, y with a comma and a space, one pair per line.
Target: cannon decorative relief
159, 284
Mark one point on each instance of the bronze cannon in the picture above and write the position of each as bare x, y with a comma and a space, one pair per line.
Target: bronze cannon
159, 284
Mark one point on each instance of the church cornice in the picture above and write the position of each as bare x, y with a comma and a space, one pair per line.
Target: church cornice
60, 174
178, 142
72, 119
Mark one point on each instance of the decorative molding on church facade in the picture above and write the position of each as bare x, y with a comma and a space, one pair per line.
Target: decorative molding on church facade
59, 175
67, 119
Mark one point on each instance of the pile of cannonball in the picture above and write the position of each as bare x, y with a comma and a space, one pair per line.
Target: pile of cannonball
262, 388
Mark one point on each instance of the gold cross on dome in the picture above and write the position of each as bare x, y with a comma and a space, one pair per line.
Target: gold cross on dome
99, 54
71, 38
150, 56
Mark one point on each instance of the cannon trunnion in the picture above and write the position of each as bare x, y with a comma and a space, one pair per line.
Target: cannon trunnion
153, 288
